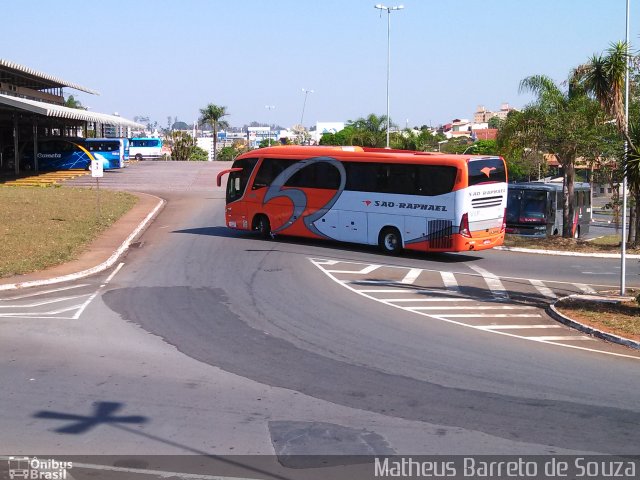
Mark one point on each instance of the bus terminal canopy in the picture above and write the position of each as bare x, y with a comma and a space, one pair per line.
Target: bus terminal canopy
59, 111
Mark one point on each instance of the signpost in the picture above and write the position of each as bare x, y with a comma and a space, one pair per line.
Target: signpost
97, 171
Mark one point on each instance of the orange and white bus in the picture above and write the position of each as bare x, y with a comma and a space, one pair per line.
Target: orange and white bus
397, 199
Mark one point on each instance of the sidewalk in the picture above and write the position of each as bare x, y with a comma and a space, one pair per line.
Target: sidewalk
101, 254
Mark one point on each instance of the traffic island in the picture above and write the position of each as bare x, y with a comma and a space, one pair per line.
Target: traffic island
612, 318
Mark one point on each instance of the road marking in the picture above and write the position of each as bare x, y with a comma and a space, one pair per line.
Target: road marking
377, 290
561, 338
411, 276
585, 288
515, 327
446, 299
450, 281
45, 302
493, 282
364, 271
95, 294
543, 289
442, 318
484, 315
473, 307
44, 292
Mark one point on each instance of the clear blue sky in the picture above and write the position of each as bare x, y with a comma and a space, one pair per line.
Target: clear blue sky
171, 58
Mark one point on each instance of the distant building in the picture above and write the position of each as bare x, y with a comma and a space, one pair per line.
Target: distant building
482, 115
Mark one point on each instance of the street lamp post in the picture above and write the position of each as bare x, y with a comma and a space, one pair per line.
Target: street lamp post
388, 9
623, 269
304, 103
269, 107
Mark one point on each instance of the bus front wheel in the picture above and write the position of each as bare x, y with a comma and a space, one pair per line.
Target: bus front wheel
138, 157
390, 241
262, 225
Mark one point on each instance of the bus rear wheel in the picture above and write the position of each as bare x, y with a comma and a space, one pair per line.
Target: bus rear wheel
262, 225
390, 241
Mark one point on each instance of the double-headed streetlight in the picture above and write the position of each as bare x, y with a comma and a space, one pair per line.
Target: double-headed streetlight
269, 107
388, 9
306, 93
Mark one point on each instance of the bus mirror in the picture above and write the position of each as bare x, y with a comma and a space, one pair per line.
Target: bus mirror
224, 172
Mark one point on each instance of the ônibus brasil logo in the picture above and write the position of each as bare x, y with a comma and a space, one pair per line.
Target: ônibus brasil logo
33, 468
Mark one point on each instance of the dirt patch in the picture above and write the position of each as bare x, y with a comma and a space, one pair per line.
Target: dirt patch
620, 318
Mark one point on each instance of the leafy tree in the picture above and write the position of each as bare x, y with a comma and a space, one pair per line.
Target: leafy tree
228, 154
567, 124
603, 76
214, 116
179, 126
182, 145
456, 145
343, 137
72, 102
495, 122
370, 131
199, 154
267, 142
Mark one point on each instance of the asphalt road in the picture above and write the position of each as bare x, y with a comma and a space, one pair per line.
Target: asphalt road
209, 341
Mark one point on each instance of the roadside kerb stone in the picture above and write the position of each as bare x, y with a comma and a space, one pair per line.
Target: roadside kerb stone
121, 229
610, 337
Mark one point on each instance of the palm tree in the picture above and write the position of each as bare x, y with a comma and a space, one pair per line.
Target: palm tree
213, 114
604, 77
562, 123
370, 131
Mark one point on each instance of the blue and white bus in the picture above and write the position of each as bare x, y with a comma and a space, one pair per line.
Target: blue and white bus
113, 152
55, 154
146, 148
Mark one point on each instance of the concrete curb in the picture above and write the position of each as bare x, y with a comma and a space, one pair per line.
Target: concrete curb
556, 315
100, 267
562, 253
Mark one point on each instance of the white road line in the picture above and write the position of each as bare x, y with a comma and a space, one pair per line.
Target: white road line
483, 315
327, 262
95, 294
472, 307
45, 302
446, 299
364, 271
378, 290
515, 327
585, 288
44, 292
411, 276
449, 281
493, 282
468, 325
543, 289
561, 338
34, 316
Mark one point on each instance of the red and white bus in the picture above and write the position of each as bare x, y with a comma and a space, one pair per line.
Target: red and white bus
393, 198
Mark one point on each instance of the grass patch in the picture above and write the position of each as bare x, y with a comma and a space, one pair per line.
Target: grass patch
620, 318
43, 227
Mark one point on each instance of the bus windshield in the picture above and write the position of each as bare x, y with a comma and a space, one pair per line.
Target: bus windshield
238, 180
526, 206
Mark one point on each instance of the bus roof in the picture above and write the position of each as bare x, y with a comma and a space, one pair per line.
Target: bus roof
363, 154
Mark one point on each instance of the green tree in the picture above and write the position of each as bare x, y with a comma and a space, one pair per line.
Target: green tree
495, 122
72, 102
182, 145
199, 155
603, 76
370, 131
565, 123
213, 115
343, 137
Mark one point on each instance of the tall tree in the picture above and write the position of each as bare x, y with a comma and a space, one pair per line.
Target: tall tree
370, 131
565, 123
213, 115
72, 102
603, 76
